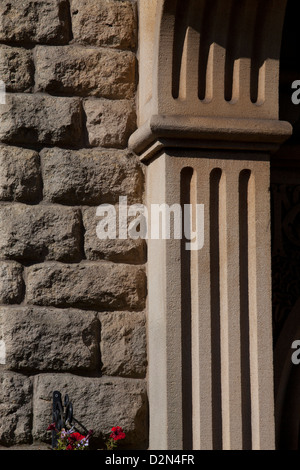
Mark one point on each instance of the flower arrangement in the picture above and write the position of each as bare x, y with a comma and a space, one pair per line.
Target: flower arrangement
69, 439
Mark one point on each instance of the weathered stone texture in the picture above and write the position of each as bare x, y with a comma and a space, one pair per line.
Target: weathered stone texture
99, 404
16, 68
15, 408
37, 21
109, 123
90, 176
41, 119
104, 23
84, 71
50, 339
123, 344
37, 233
20, 176
70, 303
11, 282
98, 285
115, 249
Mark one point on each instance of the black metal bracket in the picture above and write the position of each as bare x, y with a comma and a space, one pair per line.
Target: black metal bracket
62, 414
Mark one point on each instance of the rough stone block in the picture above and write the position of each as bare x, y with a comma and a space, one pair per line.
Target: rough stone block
20, 176
16, 68
41, 119
109, 123
92, 285
119, 250
11, 282
76, 70
50, 339
99, 404
123, 344
90, 176
15, 408
37, 233
36, 21
104, 23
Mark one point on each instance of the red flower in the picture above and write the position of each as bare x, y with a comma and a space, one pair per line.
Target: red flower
75, 436
69, 447
52, 427
117, 433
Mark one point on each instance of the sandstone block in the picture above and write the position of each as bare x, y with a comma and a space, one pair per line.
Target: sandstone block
15, 408
74, 70
123, 344
36, 21
20, 178
99, 404
11, 283
109, 123
40, 119
118, 250
16, 68
99, 286
104, 23
50, 339
90, 177
36, 233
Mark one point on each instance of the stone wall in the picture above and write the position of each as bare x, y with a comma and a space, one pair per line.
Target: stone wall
72, 313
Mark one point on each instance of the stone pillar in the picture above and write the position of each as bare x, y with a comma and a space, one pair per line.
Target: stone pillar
208, 122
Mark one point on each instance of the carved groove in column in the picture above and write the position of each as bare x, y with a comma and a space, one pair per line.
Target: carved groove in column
244, 306
232, 52
187, 189
257, 84
205, 92
215, 177
180, 31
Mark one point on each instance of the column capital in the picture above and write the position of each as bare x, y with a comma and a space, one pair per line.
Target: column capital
190, 132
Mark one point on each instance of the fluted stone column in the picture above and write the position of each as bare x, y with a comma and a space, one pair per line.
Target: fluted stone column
208, 122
